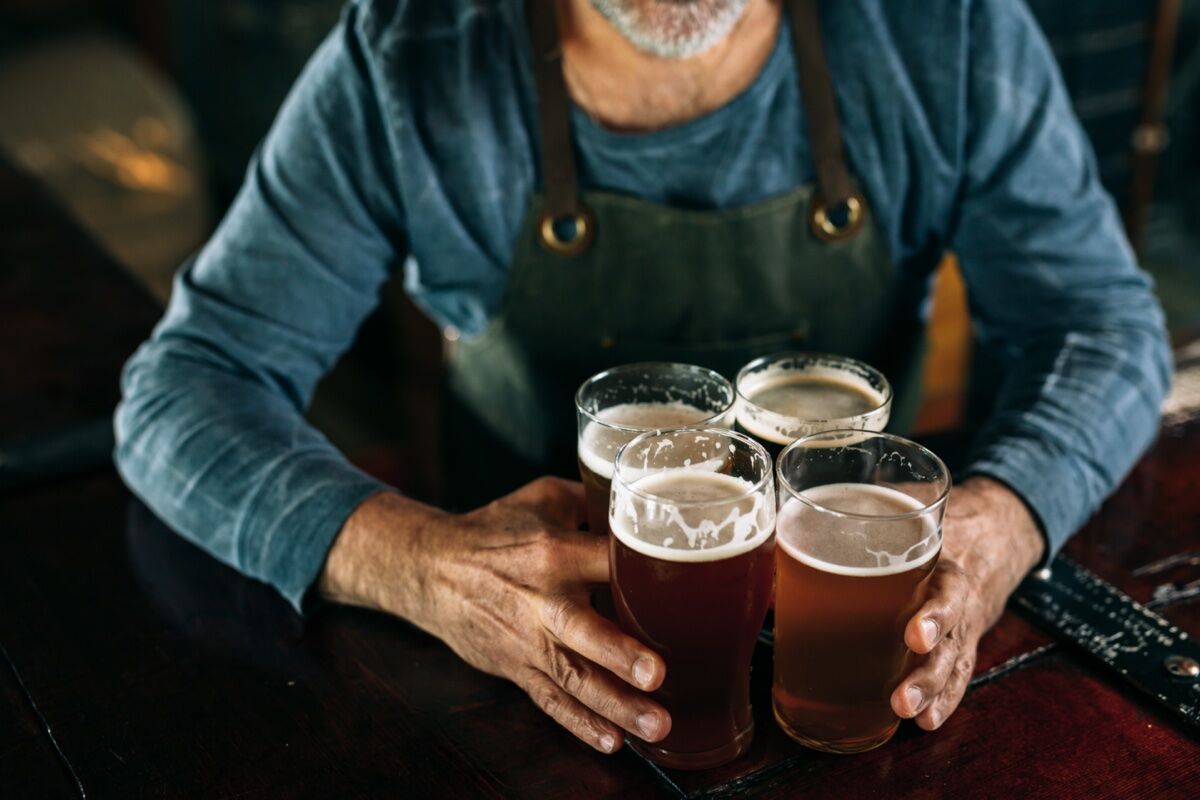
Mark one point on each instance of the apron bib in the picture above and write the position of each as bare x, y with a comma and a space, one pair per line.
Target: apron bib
631, 280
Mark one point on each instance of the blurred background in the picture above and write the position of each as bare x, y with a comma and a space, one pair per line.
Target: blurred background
141, 115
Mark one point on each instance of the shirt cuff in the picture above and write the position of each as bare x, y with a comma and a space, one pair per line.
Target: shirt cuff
311, 525
1049, 483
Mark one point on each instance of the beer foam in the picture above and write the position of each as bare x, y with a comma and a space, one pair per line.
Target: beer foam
784, 405
843, 545
598, 445
691, 514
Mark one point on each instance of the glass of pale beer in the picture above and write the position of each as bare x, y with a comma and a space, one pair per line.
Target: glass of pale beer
859, 534
692, 557
616, 405
784, 396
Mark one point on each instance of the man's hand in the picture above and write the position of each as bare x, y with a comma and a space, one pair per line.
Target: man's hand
989, 542
507, 588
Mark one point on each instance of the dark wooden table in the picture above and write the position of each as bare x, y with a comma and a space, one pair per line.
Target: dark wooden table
134, 665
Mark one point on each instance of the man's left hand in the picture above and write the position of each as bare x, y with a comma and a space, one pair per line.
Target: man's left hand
990, 541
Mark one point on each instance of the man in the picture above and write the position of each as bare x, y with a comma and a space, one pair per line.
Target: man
693, 198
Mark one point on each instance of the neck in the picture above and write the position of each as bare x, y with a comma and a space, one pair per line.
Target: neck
630, 90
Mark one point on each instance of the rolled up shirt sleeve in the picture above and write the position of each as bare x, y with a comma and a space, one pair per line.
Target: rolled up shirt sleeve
1052, 284
210, 432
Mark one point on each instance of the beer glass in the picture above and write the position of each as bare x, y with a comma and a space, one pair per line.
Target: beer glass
616, 405
859, 533
692, 554
785, 396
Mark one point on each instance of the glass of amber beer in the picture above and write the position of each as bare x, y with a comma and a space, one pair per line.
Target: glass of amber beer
859, 533
692, 548
616, 405
785, 396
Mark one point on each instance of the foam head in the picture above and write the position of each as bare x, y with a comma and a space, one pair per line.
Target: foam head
859, 529
782, 398
692, 514
614, 426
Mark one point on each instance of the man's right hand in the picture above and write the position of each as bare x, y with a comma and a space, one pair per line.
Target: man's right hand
507, 588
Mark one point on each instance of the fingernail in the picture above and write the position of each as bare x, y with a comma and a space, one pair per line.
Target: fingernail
929, 629
648, 724
915, 697
935, 719
608, 743
643, 671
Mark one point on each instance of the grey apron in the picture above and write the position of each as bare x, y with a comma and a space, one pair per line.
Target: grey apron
601, 279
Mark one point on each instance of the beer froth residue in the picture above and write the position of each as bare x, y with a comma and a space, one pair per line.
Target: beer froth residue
692, 514
599, 444
853, 546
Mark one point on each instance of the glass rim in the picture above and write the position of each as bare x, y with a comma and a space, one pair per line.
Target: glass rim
767, 477
891, 437
809, 354
616, 426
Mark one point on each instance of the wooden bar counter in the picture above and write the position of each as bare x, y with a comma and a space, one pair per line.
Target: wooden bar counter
134, 665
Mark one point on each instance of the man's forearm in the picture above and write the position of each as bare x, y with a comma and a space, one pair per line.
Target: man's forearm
993, 535
232, 465
377, 560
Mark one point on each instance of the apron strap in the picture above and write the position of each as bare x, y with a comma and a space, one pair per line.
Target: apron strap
837, 212
567, 227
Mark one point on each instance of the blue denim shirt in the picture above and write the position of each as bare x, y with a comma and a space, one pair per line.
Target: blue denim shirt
410, 145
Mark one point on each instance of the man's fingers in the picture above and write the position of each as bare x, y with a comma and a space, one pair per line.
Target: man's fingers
942, 610
588, 557
578, 627
600, 691
926, 683
935, 688
570, 558
585, 724
944, 704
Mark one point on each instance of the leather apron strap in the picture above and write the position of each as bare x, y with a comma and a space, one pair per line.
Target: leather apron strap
567, 227
837, 213
554, 125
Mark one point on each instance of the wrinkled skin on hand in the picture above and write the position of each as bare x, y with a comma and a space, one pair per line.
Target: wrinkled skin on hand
515, 602
989, 542
507, 587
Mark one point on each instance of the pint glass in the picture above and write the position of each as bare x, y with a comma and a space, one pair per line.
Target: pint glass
614, 406
692, 554
859, 533
788, 395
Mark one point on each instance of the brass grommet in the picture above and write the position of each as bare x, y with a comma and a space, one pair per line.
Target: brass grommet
826, 229
1182, 666
585, 230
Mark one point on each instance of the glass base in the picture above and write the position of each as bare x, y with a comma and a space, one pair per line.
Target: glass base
703, 760
840, 746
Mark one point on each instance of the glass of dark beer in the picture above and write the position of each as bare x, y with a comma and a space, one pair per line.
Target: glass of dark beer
785, 396
692, 550
859, 534
616, 405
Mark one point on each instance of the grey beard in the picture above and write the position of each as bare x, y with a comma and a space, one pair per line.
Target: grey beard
672, 28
